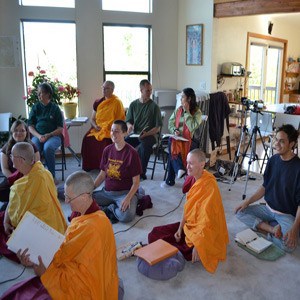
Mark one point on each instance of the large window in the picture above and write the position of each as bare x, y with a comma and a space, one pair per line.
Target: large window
126, 59
49, 3
142, 6
52, 47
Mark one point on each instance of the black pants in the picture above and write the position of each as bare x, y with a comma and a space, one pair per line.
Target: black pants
144, 148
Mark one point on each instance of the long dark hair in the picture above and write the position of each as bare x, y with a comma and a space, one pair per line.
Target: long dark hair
11, 142
191, 99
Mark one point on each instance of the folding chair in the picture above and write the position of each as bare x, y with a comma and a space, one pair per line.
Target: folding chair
158, 149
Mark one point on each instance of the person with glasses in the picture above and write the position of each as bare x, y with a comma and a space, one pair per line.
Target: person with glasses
46, 125
85, 266
105, 111
18, 133
120, 170
34, 192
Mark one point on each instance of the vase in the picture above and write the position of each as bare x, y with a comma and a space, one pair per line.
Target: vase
70, 109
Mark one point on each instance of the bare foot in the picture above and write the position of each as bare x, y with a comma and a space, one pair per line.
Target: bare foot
277, 231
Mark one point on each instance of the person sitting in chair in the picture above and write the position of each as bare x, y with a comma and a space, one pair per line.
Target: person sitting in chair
280, 217
105, 111
182, 123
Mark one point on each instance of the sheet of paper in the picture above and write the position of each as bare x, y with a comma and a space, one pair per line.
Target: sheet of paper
37, 236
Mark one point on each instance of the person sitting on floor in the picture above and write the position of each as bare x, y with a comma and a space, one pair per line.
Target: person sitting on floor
45, 123
85, 265
144, 118
18, 133
280, 217
105, 111
182, 123
202, 233
34, 192
120, 169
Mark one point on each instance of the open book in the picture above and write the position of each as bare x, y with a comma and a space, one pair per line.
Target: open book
38, 237
156, 252
252, 241
176, 137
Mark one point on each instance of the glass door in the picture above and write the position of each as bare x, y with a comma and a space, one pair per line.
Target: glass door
265, 67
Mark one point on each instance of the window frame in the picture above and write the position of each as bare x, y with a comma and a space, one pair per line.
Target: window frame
146, 73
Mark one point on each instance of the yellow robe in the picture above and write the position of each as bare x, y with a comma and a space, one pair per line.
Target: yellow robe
205, 226
85, 266
36, 192
109, 110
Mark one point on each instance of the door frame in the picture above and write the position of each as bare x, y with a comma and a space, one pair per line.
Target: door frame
284, 59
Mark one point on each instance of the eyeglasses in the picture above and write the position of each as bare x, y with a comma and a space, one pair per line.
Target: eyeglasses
16, 156
69, 199
20, 131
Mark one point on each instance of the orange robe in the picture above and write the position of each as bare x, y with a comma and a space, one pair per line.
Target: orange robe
85, 266
205, 227
37, 193
107, 112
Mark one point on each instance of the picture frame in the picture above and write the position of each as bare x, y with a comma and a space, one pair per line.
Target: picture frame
194, 44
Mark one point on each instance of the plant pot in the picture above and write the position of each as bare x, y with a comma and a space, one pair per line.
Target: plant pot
70, 110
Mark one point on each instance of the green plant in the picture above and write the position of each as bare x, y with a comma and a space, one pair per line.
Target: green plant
60, 90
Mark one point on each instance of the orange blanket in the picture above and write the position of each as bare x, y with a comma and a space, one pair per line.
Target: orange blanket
108, 111
205, 226
85, 266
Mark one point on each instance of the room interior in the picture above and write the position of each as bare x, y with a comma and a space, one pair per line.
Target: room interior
241, 276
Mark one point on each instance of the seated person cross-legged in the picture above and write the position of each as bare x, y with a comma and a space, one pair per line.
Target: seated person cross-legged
280, 217
105, 111
34, 192
46, 125
18, 133
183, 122
143, 118
120, 170
85, 265
202, 233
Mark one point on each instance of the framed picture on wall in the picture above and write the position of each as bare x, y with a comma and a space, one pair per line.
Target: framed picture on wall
194, 44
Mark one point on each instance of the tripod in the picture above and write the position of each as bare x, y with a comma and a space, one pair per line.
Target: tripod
252, 156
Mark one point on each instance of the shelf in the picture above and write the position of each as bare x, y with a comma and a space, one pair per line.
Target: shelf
291, 74
226, 75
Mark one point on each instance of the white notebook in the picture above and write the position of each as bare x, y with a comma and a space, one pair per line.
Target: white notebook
252, 241
176, 137
38, 237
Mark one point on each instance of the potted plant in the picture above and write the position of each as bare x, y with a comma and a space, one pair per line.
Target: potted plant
69, 93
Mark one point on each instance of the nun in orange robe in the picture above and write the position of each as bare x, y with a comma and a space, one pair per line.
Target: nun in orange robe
203, 227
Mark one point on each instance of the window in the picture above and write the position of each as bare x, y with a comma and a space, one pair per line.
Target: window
126, 59
142, 6
55, 53
49, 3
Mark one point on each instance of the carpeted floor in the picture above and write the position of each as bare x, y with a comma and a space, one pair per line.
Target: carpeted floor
241, 276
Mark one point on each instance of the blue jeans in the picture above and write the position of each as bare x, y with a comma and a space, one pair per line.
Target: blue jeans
113, 201
255, 214
48, 150
174, 165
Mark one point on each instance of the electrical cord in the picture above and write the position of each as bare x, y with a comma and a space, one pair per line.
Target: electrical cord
148, 216
8, 280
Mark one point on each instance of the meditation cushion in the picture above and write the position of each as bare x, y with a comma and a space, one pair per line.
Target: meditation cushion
163, 270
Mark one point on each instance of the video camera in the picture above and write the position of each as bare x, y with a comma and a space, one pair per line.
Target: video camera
257, 105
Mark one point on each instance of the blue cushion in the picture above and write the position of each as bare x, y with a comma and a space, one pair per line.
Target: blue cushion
163, 270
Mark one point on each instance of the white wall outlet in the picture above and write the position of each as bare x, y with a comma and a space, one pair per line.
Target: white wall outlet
202, 85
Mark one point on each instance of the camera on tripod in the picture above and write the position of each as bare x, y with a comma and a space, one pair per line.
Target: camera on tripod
255, 106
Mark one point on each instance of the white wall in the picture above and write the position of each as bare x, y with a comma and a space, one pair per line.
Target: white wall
195, 12
231, 38
89, 19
